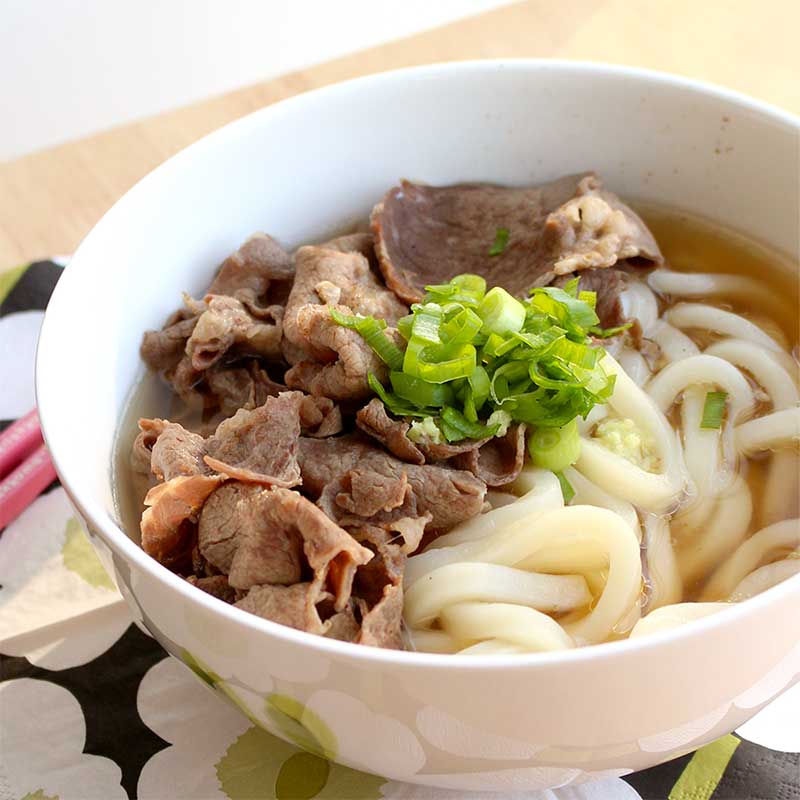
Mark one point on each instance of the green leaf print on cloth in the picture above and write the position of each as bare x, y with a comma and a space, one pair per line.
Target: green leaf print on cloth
39, 795
259, 766
80, 558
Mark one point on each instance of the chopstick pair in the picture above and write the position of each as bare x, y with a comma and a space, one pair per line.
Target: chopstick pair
25, 467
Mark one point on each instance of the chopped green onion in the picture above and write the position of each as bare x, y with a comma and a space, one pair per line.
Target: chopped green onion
714, 410
420, 392
455, 421
462, 328
590, 298
386, 350
371, 330
575, 315
607, 333
500, 242
480, 385
439, 363
555, 448
404, 325
501, 313
427, 319
566, 487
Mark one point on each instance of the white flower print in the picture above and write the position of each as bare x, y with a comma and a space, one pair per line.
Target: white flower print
41, 746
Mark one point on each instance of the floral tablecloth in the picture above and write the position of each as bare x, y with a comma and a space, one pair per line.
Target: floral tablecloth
92, 708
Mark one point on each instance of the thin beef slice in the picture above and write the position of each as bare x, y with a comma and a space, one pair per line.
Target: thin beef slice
172, 508
259, 446
331, 274
427, 234
344, 362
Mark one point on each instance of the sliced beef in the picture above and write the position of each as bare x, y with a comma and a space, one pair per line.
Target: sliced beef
248, 274
175, 451
142, 449
215, 585
344, 361
259, 446
227, 324
320, 417
332, 554
221, 522
324, 460
428, 234
162, 350
169, 520
391, 433
499, 460
294, 606
243, 384
355, 243
268, 549
382, 625
352, 478
332, 275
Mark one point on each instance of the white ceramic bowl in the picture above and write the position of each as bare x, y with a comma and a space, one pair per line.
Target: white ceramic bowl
305, 167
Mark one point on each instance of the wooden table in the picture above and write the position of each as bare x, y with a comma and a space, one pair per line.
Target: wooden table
49, 200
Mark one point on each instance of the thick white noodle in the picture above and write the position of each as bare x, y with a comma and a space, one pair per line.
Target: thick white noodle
425, 641
687, 316
674, 344
706, 370
653, 492
697, 371
765, 365
704, 285
491, 583
665, 585
769, 544
706, 546
770, 432
708, 472
766, 577
667, 617
566, 541
497, 499
525, 627
542, 492
635, 366
781, 498
590, 494
491, 647
639, 302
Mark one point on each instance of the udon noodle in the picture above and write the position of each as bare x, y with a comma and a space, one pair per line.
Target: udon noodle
644, 545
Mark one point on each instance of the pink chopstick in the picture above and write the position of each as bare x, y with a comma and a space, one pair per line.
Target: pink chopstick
25, 484
18, 441
31, 471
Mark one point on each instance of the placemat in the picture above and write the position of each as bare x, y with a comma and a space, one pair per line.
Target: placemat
91, 708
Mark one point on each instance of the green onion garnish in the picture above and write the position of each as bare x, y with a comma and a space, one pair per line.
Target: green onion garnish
607, 333
501, 313
555, 448
473, 355
500, 242
714, 410
566, 487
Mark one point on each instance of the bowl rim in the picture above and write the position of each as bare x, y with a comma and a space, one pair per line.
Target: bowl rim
116, 538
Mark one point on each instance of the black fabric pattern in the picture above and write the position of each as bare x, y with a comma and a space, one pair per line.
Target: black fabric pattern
32, 291
106, 689
655, 783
